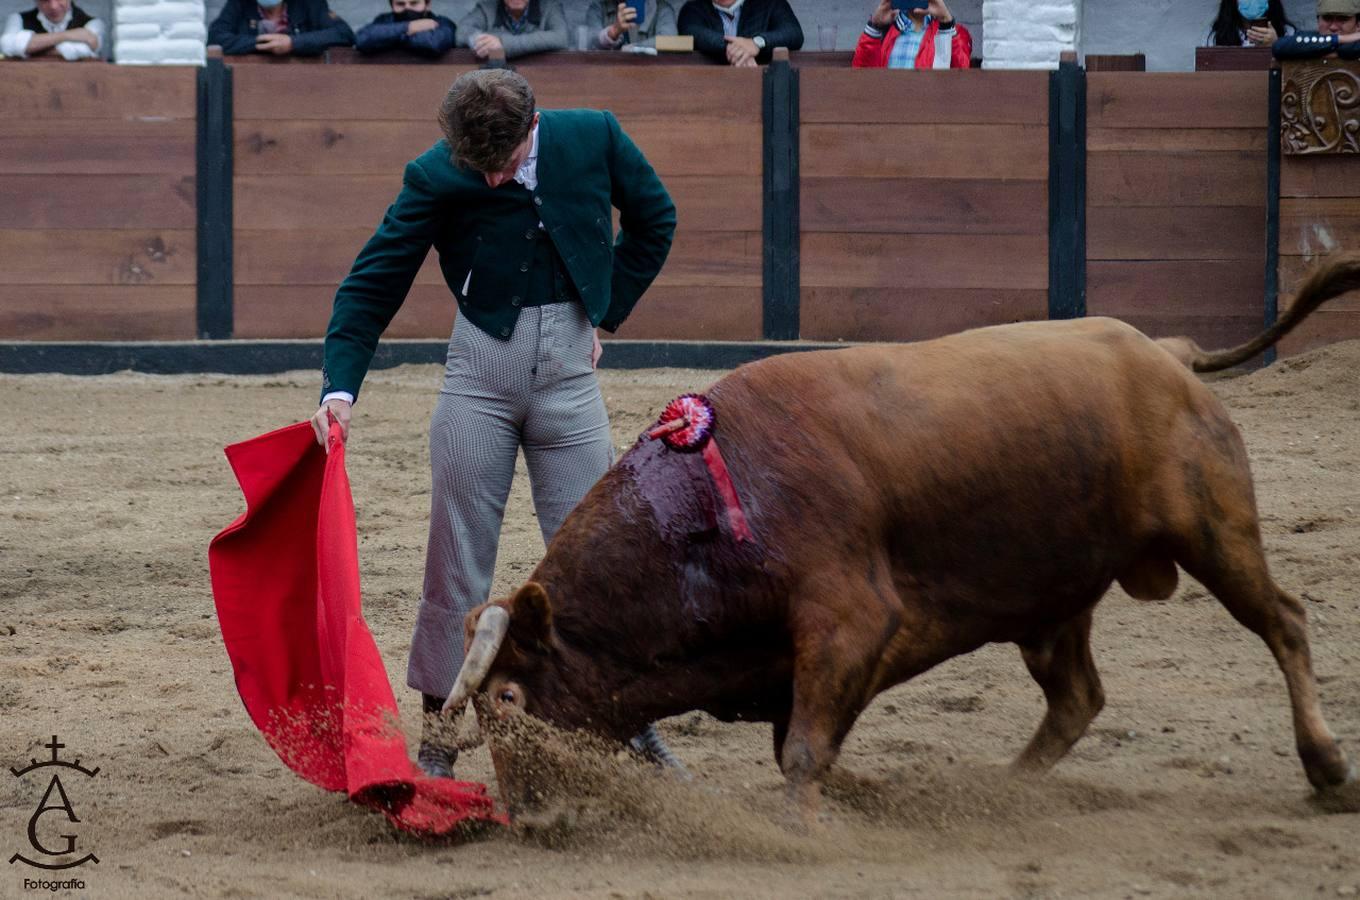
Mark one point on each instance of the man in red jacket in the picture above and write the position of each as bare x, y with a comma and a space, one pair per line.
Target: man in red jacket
925, 38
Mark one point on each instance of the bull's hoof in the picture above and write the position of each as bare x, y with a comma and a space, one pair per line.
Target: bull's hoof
1341, 798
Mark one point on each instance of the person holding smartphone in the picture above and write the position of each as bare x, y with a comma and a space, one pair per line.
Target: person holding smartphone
913, 34
632, 23
1248, 23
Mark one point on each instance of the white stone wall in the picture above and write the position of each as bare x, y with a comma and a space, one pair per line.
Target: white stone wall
159, 32
1029, 34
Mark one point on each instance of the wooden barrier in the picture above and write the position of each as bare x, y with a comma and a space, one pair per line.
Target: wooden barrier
924, 202
97, 209
1319, 190
924, 198
320, 149
1176, 204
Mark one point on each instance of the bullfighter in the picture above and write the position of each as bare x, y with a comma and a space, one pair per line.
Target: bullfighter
518, 203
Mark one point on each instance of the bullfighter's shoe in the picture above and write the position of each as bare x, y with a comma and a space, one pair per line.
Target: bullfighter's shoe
434, 757
650, 746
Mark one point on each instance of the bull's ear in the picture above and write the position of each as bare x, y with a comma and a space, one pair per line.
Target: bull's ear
531, 615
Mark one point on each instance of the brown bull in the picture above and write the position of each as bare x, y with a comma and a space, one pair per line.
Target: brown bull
909, 504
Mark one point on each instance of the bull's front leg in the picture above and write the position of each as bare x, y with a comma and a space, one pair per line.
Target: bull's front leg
834, 660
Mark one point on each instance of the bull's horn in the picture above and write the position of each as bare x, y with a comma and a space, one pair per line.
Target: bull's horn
486, 643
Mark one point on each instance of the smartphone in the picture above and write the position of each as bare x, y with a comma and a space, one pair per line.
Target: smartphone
1258, 23
910, 5
639, 7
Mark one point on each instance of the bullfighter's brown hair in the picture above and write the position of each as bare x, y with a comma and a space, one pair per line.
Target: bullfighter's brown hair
486, 114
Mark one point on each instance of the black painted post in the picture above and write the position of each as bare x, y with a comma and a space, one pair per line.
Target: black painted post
1273, 206
1067, 190
780, 200
214, 201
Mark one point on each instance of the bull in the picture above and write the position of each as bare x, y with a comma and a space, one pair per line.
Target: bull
909, 504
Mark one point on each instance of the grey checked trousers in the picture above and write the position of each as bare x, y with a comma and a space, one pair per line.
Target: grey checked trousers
537, 390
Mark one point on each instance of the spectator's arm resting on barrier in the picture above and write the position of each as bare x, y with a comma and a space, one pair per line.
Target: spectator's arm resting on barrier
378, 36
82, 43
551, 35
231, 30
1310, 45
707, 39
335, 32
784, 31
72, 44
378, 282
474, 23
434, 37
646, 224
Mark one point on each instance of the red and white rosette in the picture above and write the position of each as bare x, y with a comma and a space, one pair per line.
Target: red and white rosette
686, 425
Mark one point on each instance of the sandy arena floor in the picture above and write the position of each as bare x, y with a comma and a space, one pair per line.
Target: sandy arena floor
1186, 785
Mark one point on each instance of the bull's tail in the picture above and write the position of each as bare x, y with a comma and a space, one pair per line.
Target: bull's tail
1332, 278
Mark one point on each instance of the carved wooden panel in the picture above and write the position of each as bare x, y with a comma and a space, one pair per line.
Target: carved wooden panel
1320, 108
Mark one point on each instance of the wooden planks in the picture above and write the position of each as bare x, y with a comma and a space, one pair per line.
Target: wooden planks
1319, 215
1176, 202
97, 202
320, 152
923, 216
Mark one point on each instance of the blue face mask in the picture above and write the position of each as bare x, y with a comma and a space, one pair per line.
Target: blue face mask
1252, 9
268, 4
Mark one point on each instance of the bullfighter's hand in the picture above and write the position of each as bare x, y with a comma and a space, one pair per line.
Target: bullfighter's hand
596, 349
278, 44
1262, 35
883, 15
416, 26
321, 424
624, 18
488, 45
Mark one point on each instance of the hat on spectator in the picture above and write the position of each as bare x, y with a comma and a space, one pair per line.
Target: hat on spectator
1338, 7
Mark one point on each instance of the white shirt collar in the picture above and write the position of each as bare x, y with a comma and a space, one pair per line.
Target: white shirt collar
527, 173
734, 10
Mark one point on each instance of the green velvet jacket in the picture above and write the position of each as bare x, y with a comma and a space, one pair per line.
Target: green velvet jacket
586, 165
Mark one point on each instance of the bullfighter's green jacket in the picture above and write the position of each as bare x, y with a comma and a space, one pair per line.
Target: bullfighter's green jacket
586, 165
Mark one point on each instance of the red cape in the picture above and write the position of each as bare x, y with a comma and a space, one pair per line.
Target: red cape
285, 576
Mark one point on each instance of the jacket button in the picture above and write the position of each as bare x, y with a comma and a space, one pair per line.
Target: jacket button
515, 301
529, 235
505, 332
538, 201
524, 267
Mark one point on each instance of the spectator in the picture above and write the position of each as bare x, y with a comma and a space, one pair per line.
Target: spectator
297, 27
53, 27
740, 32
506, 29
616, 21
409, 26
1338, 31
1248, 23
925, 38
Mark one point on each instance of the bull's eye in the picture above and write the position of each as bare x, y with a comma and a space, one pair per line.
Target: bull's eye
507, 696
